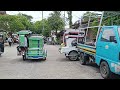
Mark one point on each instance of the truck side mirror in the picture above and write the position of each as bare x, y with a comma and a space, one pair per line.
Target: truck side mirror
112, 39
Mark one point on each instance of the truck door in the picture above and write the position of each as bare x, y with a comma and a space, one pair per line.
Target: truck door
107, 48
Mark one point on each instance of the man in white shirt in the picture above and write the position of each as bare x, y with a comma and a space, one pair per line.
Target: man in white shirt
10, 40
26, 42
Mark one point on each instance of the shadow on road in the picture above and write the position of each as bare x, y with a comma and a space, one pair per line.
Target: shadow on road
20, 60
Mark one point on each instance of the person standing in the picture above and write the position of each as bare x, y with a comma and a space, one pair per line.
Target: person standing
26, 42
10, 40
1, 44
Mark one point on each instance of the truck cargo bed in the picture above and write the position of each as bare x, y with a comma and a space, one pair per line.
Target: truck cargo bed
87, 49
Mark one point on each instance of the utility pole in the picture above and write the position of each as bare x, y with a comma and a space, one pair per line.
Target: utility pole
42, 22
64, 19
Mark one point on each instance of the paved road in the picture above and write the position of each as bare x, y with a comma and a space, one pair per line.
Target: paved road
55, 67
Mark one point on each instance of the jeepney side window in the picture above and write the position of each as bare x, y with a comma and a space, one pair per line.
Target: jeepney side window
106, 35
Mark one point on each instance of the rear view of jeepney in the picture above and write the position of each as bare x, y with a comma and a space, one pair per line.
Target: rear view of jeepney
36, 49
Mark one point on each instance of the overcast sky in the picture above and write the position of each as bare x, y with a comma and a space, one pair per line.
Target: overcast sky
37, 15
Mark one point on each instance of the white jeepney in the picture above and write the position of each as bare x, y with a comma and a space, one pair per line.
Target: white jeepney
68, 47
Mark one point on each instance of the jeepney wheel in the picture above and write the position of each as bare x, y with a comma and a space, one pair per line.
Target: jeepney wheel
73, 56
105, 70
83, 59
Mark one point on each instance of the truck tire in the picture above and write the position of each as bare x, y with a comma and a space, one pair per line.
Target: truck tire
74, 57
105, 70
83, 59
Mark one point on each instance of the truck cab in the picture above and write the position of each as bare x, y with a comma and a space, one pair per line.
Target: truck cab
108, 49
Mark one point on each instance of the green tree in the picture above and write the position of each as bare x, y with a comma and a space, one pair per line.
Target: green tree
14, 23
111, 18
10, 23
39, 27
55, 21
28, 17
25, 21
93, 21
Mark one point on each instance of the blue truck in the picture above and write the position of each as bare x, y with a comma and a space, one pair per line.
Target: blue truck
105, 51
106, 54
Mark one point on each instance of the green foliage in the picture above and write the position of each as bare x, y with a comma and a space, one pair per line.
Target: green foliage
93, 21
55, 22
14, 23
109, 18
39, 27
27, 16
10, 23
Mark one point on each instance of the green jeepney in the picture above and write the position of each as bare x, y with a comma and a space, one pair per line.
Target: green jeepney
36, 48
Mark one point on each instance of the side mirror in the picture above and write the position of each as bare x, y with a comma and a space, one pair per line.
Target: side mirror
113, 39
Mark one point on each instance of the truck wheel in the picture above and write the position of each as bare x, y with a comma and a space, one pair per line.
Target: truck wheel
73, 56
82, 59
105, 70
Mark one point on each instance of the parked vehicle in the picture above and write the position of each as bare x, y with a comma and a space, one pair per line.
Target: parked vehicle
105, 53
69, 39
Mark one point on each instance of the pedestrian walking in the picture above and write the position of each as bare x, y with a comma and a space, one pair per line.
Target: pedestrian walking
10, 40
